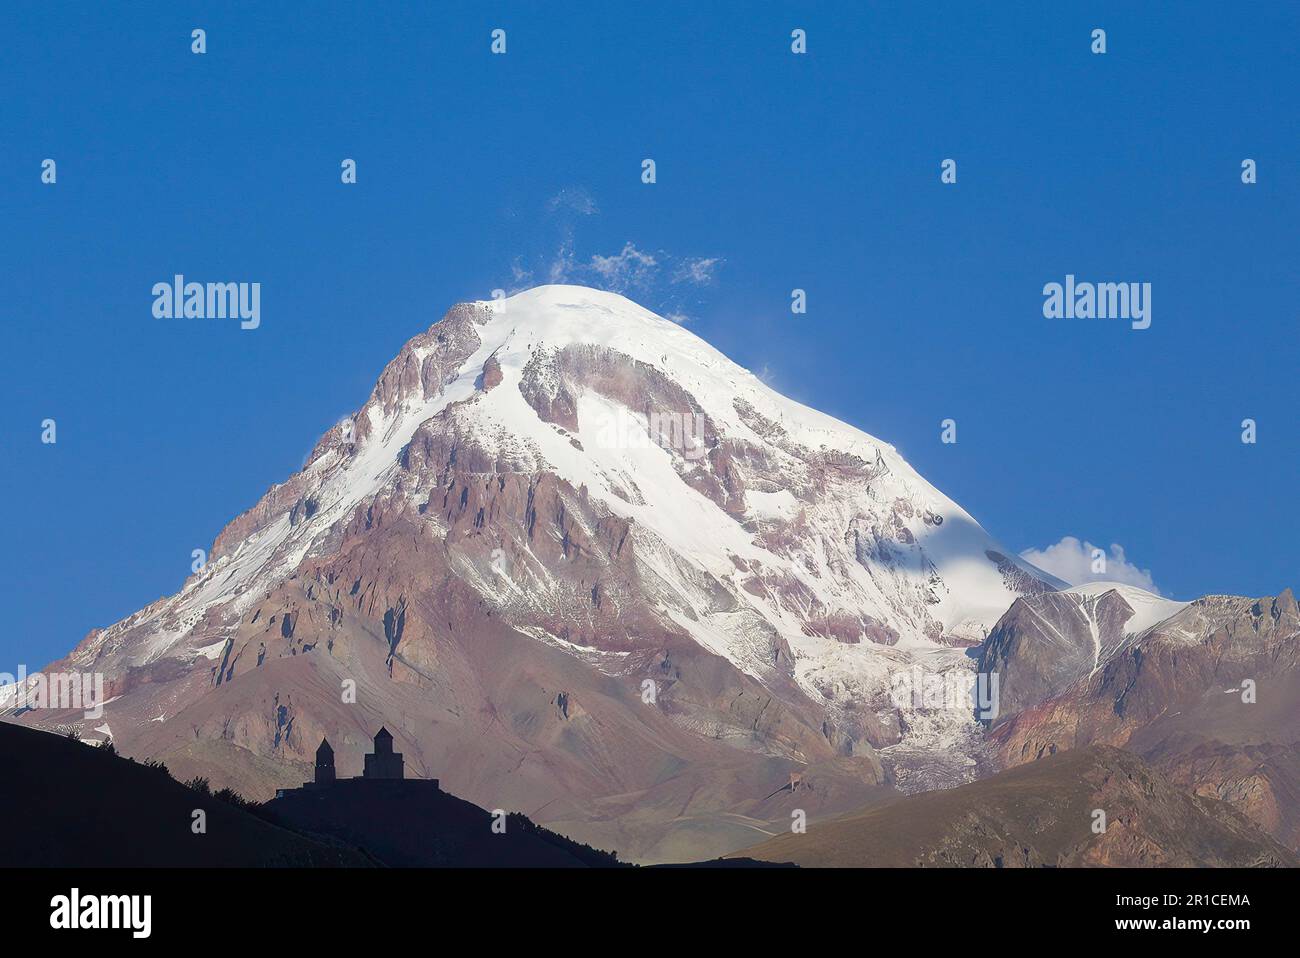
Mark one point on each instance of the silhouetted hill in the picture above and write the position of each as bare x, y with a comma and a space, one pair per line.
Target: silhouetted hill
66, 804
73, 805
411, 823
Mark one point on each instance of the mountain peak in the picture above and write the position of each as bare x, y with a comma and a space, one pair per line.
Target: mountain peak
598, 491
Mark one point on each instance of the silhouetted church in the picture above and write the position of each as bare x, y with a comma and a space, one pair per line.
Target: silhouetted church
324, 763
410, 822
383, 764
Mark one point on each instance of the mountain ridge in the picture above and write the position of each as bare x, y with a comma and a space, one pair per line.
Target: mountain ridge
1094, 806
585, 568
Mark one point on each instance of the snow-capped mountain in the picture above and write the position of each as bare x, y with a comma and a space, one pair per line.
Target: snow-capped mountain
567, 469
815, 529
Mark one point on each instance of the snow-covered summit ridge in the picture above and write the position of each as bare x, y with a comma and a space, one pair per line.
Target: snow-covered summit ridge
1148, 609
826, 538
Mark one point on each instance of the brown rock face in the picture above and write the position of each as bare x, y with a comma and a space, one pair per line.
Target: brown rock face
492, 374
424, 367
1208, 697
1047, 641
1088, 807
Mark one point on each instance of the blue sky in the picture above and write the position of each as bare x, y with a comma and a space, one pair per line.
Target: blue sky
818, 171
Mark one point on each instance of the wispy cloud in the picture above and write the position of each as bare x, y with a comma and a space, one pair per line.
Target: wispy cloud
1074, 562
562, 266
658, 278
575, 199
629, 268
698, 270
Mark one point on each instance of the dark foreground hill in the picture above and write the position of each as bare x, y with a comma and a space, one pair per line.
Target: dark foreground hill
66, 804
412, 823
1041, 814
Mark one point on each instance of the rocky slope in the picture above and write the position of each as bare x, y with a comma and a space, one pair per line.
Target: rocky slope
1208, 695
1043, 814
586, 568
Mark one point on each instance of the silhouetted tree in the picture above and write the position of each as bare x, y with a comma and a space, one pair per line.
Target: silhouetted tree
232, 797
157, 766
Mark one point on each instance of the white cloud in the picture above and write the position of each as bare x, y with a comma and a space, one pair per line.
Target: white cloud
648, 275
626, 269
1074, 562
629, 269
562, 267
522, 276
697, 270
